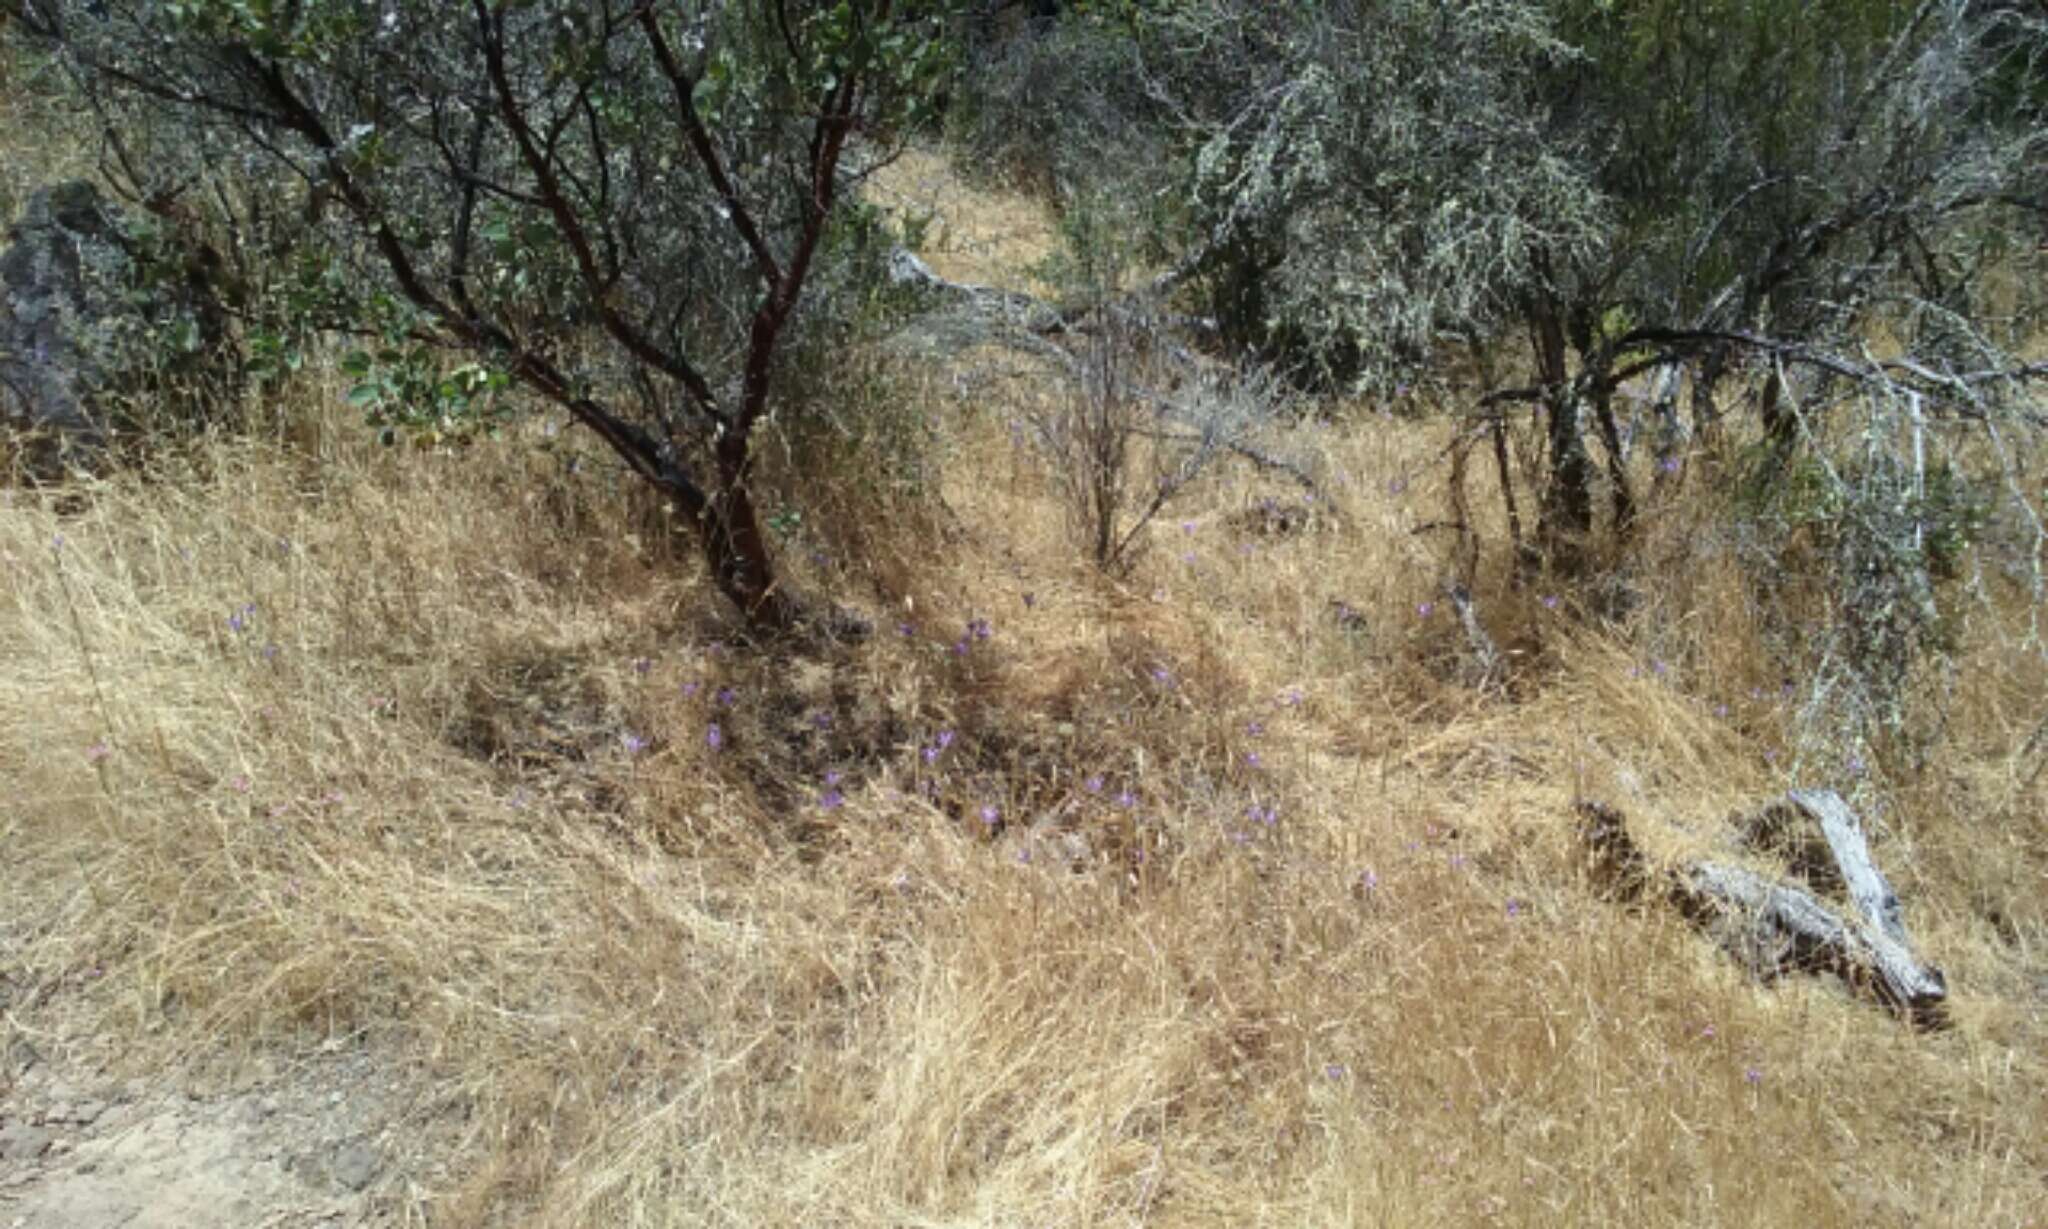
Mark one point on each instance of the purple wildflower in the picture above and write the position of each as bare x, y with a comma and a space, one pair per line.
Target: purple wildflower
1252, 759
1333, 1071
1425, 609
831, 800
1753, 1076
714, 737
1030, 600
689, 689
1514, 908
1093, 784
633, 743
991, 815
1550, 601
727, 697
98, 751
641, 666
979, 629
1255, 728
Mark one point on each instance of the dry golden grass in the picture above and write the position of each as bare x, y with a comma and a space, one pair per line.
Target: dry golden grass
317, 740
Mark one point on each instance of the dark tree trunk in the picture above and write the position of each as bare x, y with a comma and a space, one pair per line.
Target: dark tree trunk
1621, 495
736, 548
1566, 518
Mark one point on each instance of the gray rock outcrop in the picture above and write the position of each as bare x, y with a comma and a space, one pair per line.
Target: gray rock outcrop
104, 326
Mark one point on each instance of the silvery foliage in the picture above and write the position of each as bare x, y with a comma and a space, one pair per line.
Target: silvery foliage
1370, 178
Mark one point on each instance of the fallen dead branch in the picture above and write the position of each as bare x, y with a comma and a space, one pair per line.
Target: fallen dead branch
1775, 926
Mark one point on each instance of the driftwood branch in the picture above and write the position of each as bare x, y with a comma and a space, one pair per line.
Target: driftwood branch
1488, 664
1774, 926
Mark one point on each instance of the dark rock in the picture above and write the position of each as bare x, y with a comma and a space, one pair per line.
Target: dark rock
102, 312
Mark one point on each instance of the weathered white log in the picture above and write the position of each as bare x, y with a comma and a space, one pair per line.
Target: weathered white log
1789, 929
1772, 926
1838, 861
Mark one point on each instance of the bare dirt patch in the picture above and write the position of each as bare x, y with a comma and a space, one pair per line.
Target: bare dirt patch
281, 1147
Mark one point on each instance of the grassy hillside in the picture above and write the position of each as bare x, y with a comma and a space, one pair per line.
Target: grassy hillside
1214, 895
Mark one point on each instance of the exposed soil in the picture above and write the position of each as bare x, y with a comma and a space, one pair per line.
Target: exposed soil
285, 1146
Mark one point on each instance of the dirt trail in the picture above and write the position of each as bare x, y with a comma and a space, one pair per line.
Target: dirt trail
296, 1148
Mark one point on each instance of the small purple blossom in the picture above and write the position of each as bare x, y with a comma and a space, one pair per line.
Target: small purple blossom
1425, 609
1126, 799
1030, 600
1368, 880
1093, 784
821, 720
1291, 697
979, 629
1397, 486
1753, 1076
98, 751
833, 778
727, 697
633, 743
991, 815
831, 800
906, 630
1515, 908
714, 737
1669, 465
1252, 759
1255, 728
1266, 815
945, 739
641, 666
1550, 601
1333, 1071
1187, 526
690, 689
1162, 676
